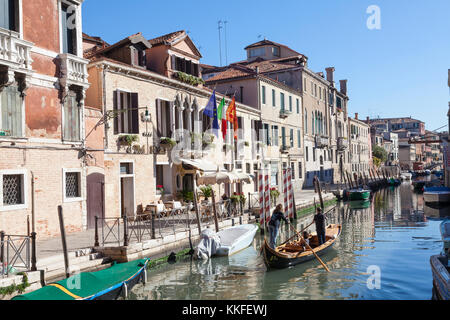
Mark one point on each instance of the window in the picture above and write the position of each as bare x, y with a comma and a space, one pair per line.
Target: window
275, 135
314, 154
282, 101
291, 135
13, 189
183, 65
293, 170
307, 153
267, 139
274, 174
299, 140
247, 168
8, 15
306, 122
300, 173
71, 115
315, 90
290, 103
263, 93
304, 84
283, 137
163, 116
298, 106
276, 51
273, 98
11, 103
68, 29
257, 52
127, 115
71, 185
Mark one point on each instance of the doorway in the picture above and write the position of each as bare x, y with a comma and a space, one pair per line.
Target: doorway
127, 207
95, 198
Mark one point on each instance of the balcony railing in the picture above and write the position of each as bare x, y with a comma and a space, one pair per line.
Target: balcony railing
322, 142
342, 143
285, 149
14, 51
284, 113
73, 70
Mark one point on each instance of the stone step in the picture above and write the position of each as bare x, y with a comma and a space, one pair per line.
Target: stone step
73, 261
60, 257
91, 265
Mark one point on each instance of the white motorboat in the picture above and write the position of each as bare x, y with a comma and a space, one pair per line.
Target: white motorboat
406, 176
436, 195
225, 242
235, 239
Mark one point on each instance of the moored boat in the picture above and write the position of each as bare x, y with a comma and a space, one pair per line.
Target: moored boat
358, 194
436, 195
235, 239
293, 253
406, 176
225, 242
107, 284
440, 266
359, 204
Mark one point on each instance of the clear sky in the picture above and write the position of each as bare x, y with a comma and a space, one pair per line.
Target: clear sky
398, 70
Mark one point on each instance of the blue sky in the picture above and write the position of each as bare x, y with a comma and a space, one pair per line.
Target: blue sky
399, 70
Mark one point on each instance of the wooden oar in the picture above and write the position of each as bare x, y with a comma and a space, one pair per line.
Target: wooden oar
309, 225
315, 254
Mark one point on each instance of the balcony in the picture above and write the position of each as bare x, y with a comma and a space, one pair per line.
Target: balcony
285, 149
342, 143
284, 113
15, 52
73, 71
322, 142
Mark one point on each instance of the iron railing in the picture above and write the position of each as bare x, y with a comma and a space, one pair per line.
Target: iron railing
17, 253
124, 230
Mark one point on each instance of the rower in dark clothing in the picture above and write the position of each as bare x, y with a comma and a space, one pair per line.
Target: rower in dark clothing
319, 220
274, 224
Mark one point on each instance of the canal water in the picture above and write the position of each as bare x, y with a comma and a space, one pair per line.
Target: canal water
390, 241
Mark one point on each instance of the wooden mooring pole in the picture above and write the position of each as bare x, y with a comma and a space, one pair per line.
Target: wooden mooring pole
64, 242
216, 222
197, 214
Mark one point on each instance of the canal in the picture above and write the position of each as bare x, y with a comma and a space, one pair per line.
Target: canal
393, 238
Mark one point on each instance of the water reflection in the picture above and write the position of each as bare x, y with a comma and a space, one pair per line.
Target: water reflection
393, 232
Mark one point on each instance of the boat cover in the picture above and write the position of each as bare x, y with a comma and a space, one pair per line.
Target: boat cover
88, 285
208, 245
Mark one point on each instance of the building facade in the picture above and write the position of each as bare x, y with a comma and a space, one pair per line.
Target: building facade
43, 161
359, 133
279, 130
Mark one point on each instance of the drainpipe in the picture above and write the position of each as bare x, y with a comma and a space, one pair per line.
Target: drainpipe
33, 206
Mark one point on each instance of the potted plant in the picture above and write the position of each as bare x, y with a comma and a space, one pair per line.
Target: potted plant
274, 194
206, 191
168, 142
128, 139
160, 190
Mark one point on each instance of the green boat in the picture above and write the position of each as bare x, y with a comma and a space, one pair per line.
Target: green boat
360, 204
358, 194
106, 284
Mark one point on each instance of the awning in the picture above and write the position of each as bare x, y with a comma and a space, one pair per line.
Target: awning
223, 177
200, 164
243, 177
217, 178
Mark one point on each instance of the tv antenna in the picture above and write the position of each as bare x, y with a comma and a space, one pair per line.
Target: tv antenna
219, 26
226, 48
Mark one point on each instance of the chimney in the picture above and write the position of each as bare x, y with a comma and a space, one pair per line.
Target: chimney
356, 115
330, 75
343, 84
368, 120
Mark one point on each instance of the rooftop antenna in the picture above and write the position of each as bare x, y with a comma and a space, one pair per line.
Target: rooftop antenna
219, 24
226, 49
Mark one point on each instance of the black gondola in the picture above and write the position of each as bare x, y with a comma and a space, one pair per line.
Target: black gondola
291, 253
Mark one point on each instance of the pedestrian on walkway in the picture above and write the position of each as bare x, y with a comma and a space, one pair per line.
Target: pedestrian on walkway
274, 224
319, 220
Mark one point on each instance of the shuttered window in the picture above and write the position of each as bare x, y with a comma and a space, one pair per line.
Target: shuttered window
126, 118
164, 117
291, 136
299, 140
8, 14
71, 114
11, 112
68, 29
